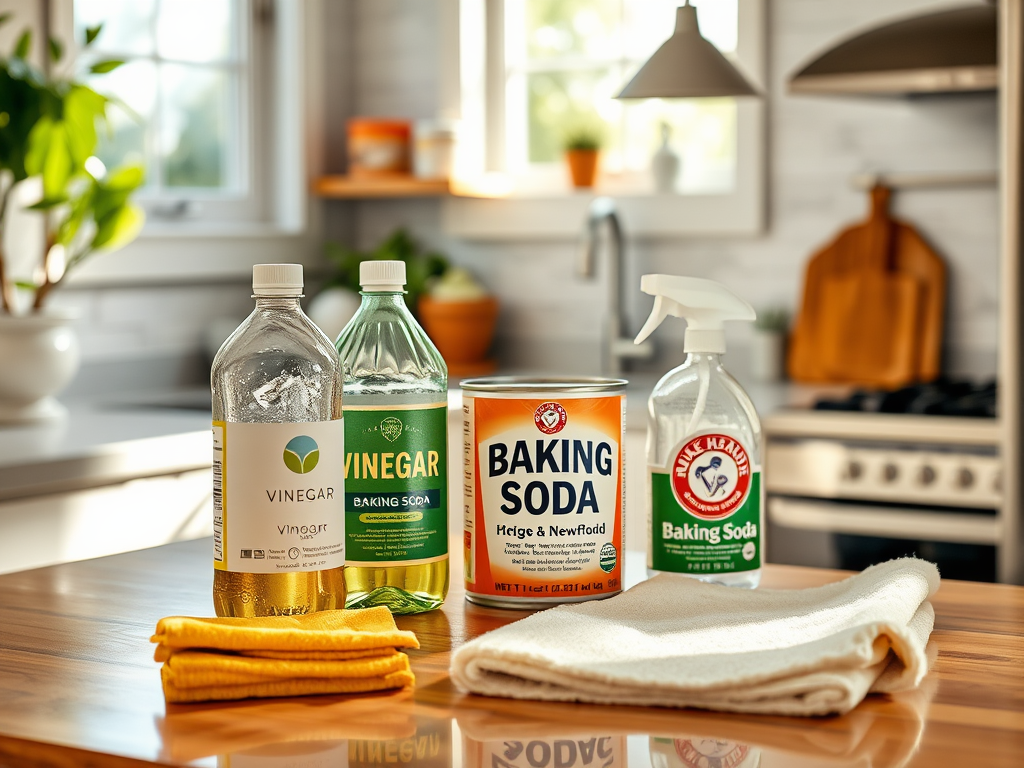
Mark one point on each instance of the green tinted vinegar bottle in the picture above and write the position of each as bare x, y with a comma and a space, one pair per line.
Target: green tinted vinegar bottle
396, 451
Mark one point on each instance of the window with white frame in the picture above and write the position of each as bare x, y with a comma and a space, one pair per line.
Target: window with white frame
184, 102
564, 62
527, 72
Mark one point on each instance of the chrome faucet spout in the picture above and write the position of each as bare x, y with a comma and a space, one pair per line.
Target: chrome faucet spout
602, 215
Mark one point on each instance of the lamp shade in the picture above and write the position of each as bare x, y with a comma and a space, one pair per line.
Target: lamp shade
687, 66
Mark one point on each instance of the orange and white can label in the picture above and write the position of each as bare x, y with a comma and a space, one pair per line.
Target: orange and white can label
544, 491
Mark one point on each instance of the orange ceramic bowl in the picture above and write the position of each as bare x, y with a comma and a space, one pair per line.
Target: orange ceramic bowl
462, 330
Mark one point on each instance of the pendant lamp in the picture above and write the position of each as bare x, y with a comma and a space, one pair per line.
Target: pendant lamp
687, 66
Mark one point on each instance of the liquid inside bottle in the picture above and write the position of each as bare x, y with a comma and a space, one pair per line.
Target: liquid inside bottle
276, 408
396, 411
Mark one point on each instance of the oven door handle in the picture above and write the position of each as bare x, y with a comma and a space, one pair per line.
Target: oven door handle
887, 522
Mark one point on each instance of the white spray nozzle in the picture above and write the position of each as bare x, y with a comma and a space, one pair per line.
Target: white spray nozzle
704, 304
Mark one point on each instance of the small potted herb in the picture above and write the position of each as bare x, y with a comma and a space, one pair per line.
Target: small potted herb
769, 344
582, 152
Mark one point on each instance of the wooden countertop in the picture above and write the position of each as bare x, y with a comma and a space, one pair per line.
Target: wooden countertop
78, 686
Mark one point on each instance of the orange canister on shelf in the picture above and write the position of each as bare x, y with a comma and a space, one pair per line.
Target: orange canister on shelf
378, 147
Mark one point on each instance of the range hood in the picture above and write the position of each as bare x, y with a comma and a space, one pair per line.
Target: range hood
944, 52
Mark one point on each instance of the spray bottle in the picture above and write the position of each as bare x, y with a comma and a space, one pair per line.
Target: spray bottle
705, 497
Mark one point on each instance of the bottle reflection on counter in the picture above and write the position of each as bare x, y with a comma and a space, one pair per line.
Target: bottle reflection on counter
429, 747
702, 752
589, 751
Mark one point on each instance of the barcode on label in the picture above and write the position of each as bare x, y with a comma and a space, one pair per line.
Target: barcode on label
218, 494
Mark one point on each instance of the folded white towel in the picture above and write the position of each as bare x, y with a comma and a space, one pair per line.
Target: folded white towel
677, 642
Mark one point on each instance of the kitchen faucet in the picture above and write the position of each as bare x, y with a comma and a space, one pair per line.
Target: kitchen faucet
615, 347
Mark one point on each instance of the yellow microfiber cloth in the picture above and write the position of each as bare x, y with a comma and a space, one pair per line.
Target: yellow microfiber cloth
343, 651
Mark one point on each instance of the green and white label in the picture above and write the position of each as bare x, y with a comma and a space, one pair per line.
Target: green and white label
706, 508
278, 496
396, 485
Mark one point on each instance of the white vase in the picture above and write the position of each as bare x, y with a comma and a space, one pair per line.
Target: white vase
332, 308
39, 356
665, 164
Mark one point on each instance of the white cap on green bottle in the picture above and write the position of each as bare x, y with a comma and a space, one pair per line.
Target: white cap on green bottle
277, 279
382, 276
705, 305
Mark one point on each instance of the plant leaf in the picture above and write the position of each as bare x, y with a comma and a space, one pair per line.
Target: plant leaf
47, 203
119, 227
25, 285
38, 146
4, 18
56, 49
91, 33
82, 108
126, 178
58, 166
102, 67
21, 50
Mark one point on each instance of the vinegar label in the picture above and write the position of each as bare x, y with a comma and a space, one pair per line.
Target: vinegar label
396, 485
278, 496
706, 508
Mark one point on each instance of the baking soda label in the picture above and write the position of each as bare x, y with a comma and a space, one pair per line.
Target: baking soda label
706, 508
396, 485
278, 496
544, 496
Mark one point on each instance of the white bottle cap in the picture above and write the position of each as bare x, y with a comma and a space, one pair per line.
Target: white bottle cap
382, 275
277, 279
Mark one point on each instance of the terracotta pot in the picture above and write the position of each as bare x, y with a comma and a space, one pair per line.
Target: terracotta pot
582, 166
38, 358
462, 330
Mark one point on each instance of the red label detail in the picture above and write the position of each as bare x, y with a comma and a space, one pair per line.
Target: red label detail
711, 476
549, 418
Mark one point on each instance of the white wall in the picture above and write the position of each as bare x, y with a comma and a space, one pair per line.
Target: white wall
552, 319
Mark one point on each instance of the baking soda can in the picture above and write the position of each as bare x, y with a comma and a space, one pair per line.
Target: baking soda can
544, 490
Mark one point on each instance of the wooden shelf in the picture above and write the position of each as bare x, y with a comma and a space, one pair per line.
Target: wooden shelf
350, 188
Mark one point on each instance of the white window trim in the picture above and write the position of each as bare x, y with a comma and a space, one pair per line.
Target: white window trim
177, 251
474, 213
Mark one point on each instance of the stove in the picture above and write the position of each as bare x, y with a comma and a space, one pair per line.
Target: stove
875, 475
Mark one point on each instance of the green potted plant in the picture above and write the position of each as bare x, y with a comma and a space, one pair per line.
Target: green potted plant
48, 139
582, 152
767, 355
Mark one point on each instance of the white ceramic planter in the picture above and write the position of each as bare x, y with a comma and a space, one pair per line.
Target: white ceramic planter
39, 356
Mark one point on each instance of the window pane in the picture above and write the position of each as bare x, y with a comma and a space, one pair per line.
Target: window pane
124, 141
560, 103
127, 24
572, 27
196, 30
196, 116
703, 135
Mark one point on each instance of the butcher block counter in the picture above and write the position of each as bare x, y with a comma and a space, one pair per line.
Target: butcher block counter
78, 686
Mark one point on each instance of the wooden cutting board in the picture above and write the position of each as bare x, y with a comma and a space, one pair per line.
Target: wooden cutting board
872, 308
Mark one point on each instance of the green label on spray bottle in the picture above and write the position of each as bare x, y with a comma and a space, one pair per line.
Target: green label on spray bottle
706, 508
396, 485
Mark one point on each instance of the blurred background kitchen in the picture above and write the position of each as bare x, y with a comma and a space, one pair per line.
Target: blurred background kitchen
886, 361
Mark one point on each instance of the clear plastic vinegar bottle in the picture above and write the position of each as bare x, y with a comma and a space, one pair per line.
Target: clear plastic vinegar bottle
278, 450
396, 442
